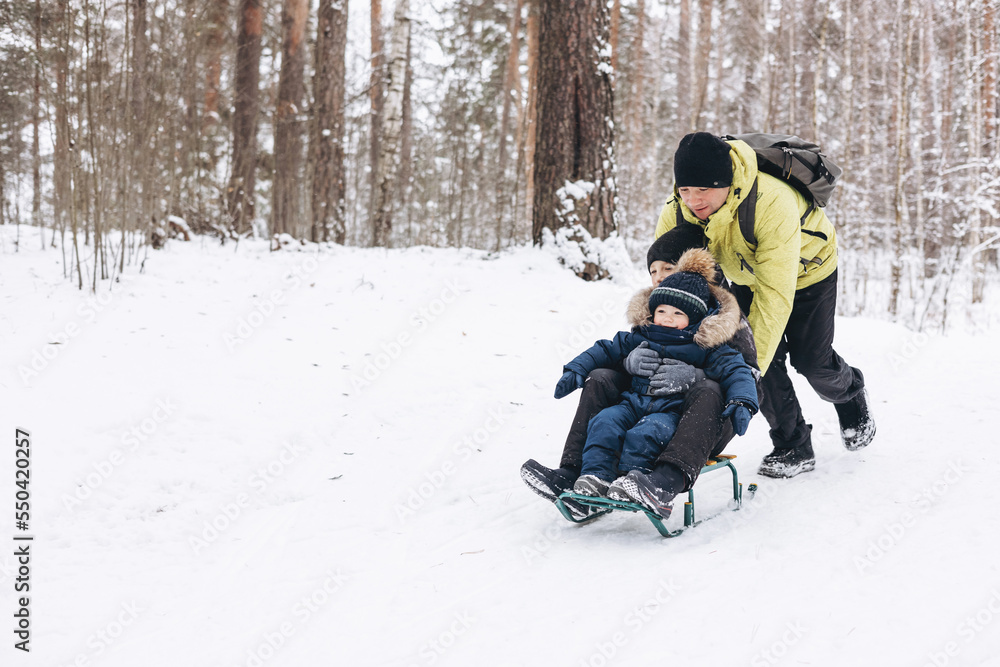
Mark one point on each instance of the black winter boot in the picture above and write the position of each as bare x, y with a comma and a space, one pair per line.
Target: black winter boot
549, 484
788, 461
857, 428
655, 490
591, 485
546, 482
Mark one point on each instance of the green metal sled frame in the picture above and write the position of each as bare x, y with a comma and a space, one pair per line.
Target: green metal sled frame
606, 505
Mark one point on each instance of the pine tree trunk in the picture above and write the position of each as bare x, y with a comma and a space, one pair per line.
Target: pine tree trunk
375, 94
633, 117
701, 62
138, 188
406, 142
210, 131
866, 129
616, 22
756, 59
286, 210
789, 21
328, 182
989, 69
847, 91
575, 120
183, 196
901, 140
975, 141
685, 64
511, 75
61, 160
531, 112
36, 112
96, 155
215, 23
990, 144
392, 126
240, 193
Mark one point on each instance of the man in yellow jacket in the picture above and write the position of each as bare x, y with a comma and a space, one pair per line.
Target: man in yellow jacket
786, 284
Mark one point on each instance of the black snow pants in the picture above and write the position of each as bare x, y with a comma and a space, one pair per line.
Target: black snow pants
808, 343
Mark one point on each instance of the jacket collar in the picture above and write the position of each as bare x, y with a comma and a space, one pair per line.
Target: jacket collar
718, 327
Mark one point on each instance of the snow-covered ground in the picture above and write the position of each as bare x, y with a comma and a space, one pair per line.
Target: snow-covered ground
244, 458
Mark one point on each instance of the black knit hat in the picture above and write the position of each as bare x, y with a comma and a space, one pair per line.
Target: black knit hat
685, 291
702, 161
671, 245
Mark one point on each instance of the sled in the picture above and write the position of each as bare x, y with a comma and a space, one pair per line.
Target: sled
607, 505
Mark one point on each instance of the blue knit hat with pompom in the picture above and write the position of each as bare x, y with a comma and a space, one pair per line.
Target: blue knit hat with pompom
686, 291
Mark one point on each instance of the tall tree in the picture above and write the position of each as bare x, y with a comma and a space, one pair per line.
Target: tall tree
215, 39
62, 157
511, 95
242, 181
989, 68
137, 186
406, 142
392, 126
375, 93
901, 112
685, 59
529, 133
36, 113
616, 24
327, 141
211, 131
701, 62
574, 159
286, 211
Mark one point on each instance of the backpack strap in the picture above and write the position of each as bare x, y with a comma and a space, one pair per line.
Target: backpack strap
746, 213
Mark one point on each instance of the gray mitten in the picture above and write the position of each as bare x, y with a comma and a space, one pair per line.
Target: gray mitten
673, 377
642, 361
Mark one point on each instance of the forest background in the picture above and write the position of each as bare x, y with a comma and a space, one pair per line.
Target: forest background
492, 124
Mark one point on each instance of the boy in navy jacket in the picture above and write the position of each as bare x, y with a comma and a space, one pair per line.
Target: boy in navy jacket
629, 436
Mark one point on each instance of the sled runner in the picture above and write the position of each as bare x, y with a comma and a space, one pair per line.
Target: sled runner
606, 505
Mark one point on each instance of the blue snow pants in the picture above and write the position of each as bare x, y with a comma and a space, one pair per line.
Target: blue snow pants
628, 436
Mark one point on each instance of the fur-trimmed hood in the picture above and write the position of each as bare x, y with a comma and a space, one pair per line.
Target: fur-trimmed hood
718, 327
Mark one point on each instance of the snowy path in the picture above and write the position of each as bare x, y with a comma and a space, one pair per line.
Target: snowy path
241, 458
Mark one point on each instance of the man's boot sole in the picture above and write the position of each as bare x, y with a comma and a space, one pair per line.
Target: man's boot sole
784, 472
864, 439
539, 486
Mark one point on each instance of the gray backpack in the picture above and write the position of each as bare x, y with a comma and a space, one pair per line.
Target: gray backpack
796, 161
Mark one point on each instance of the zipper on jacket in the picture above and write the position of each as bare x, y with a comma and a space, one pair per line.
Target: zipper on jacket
744, 264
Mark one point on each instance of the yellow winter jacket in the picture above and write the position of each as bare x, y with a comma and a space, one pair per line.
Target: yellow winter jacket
785, 258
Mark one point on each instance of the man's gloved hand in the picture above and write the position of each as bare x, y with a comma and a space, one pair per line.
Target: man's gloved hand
740, 413
642, 361
673, 377
568, 383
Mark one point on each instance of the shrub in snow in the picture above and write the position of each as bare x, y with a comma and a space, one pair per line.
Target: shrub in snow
573, 245
175, 227
587, 257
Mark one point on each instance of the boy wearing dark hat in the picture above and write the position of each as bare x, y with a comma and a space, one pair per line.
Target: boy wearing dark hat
663, 255
624, 440
786, 284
